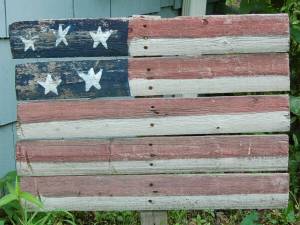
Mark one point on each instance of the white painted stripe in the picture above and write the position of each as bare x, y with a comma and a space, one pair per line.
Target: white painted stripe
259, 83
176, 125
154, 166
216, 45
94, 203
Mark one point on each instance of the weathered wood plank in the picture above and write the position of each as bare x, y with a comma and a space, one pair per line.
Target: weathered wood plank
207, 74
154, 217
169, 166
153, 155
76, 38
152, 148
210, 66
242, 201
216, 45
210, 26
44, 111
192, 87
171, 125
148, 36
156, 185
74, 79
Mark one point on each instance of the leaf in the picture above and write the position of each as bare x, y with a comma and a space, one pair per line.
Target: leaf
251, 219
295, 105
31, 198
295, 32
7, 199
2, 222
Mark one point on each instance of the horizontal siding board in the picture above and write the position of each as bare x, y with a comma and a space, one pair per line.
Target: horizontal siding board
154, 36
210, 26
245, 201
113, 81
156, 185
92, 9
172, 125
18, 10
152, 148
45, 111
134, 7
79, 39
7, 85
169, 166
7, 146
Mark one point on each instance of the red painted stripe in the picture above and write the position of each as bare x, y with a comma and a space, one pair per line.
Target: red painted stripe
156, 185
43, 111
209, 26
152, 148
209, 66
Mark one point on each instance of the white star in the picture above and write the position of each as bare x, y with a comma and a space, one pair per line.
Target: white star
50, 85
91, 79
28, 43
101, 37
61, 35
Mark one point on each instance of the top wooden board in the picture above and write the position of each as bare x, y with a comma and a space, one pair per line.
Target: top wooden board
146, 36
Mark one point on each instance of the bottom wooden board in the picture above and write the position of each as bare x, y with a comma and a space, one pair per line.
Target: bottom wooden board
160, 192
245, 201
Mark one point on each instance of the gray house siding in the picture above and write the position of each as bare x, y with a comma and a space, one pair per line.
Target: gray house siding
15, 10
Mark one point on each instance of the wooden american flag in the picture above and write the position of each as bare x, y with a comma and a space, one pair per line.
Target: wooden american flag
100, 133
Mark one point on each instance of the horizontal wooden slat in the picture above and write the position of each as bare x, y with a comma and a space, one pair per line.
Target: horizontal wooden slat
79, 38
76, 189
199, 46
112, 80
147, 185
210, 26
173, 125
151, 148
209, 66
153, 155
155, 76
170, 166
44, 111
151, 36
242, 201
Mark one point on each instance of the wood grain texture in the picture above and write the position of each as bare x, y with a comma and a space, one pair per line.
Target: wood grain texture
209, 26
173, 125
169, 166
215, 45
154, 217
153, 155
242, 201
80, 42
113, 82
152, 148
148, 36
156, 185
209, 67
44, 111
193, 87
206, 74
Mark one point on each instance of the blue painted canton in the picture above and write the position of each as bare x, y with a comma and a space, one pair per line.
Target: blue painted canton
75, 79
78, 35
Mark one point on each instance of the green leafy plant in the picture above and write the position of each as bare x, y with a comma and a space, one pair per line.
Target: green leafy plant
14, 206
